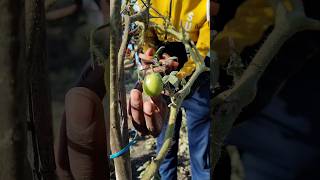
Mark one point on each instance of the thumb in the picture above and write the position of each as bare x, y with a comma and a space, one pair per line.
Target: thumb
150, 52
147, 56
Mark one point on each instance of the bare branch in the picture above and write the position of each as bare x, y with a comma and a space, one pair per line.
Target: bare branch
122, 163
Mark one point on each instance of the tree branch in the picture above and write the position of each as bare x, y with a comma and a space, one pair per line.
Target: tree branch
121, 163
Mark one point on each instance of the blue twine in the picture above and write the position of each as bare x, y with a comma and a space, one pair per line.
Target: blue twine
133, 134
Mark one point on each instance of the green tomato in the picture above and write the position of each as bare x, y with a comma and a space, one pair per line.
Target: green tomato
152, 84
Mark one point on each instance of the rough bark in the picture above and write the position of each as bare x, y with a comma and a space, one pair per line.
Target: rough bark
122, 163
105, 6
12, 102
39, 96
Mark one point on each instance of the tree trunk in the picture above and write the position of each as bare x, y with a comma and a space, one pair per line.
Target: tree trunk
12, 82
39, 96
122, 163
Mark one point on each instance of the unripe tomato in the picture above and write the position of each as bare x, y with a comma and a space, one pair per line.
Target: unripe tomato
152, 84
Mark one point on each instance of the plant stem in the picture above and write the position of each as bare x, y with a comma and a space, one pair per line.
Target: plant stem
155, 163
177, 100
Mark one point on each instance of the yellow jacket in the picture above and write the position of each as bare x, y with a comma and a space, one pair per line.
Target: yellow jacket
251, 20
192, 14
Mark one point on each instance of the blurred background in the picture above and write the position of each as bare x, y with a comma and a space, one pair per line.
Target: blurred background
276, 136
68, 46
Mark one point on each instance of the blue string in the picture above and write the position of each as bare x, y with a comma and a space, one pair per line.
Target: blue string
132, 133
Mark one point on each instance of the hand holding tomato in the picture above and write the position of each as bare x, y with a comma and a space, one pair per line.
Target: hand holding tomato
168, 64
149, 114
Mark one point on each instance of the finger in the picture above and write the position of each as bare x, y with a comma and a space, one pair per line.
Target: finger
165, 56
158, 117
136, 108
165, 59
152, 124
147, 56
161, 106
174, 65
158, 69
169, 64
160, 113
150, 52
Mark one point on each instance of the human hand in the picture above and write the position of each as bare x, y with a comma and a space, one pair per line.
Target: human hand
167, 63
148, 114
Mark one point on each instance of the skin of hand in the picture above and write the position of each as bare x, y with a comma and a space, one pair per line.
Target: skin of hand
148, 114
168, 65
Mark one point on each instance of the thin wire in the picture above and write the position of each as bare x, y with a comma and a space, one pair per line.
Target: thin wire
134, 135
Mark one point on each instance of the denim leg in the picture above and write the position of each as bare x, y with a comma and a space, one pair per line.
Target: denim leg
168, 168
197, 107
198, 122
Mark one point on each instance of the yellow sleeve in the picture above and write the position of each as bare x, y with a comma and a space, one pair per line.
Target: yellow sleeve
203, 43
203, 46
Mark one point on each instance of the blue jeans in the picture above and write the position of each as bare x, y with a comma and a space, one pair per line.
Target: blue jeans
197, 107
278, 145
